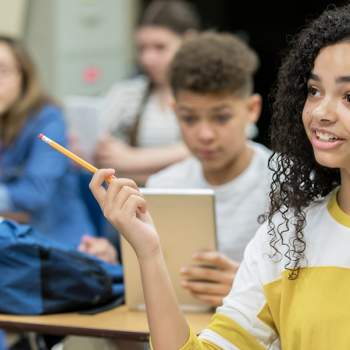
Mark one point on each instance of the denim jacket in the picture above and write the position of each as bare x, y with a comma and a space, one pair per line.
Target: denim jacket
37, 179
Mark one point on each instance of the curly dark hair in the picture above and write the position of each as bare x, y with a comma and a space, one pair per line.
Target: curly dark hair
213, 62
297, 178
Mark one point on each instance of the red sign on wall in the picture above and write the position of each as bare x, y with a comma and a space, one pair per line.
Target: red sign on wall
91, 75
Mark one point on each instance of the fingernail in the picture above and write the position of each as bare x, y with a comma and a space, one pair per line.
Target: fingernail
194, 256
110, 170
183, 270
184, 283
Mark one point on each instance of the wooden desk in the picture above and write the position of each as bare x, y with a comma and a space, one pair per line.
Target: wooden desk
119, 323
20, 217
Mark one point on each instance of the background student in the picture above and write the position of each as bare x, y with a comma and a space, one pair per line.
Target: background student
212, 80
34, 177
145, 136
292, 290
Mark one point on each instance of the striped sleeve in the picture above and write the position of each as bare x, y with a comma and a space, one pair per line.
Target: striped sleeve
119, 106
244, 322
194, 343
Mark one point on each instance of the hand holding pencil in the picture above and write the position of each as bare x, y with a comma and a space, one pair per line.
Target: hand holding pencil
72, 156
123, 205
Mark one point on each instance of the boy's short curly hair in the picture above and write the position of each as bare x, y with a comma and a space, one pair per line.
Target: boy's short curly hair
212, 63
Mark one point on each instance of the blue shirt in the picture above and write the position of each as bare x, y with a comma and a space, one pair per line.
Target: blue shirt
2, 340
38, 179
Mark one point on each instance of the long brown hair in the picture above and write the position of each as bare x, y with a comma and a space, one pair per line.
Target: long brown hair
175, 15
178, 16
32, 96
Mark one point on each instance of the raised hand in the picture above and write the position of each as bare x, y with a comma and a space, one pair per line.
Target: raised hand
124, 206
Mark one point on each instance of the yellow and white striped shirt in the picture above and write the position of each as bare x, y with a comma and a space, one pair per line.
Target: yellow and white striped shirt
266, 310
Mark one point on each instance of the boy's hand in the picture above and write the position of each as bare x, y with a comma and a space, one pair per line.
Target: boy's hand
219, 280
124, 206
99, 247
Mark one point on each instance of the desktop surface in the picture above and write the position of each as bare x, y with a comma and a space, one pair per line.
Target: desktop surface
118, 323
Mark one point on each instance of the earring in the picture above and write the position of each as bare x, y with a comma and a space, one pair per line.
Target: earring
251, 130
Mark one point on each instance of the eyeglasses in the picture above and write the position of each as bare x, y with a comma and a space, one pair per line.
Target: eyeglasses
7, 73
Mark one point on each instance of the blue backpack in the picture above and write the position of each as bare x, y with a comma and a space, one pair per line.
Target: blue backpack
39, 275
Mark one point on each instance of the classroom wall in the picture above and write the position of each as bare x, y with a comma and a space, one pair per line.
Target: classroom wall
81, 47
12, 17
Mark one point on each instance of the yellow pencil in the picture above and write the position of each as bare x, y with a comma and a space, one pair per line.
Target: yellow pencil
71, 155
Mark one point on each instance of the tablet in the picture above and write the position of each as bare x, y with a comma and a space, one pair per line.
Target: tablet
185, 222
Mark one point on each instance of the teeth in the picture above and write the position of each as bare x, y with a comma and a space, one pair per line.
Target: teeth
326, 137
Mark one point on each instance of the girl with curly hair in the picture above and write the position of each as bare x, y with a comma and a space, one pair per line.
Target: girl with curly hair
292, 288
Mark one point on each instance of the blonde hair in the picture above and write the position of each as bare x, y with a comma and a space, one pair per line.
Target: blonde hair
31, 99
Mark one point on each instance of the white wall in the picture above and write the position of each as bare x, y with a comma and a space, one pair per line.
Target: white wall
12, 17
133, 10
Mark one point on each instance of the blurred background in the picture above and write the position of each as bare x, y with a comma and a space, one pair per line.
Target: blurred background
82, 47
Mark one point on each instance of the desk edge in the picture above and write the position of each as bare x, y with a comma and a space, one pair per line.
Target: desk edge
67, 330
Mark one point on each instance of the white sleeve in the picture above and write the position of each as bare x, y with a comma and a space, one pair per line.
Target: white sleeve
244, 321
163, 179
151, 182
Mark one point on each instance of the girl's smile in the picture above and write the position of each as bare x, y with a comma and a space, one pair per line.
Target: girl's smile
325, 141
326, 114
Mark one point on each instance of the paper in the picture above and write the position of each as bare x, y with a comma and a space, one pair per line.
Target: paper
84, 127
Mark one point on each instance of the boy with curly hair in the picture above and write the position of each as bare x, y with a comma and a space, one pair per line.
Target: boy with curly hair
212, 81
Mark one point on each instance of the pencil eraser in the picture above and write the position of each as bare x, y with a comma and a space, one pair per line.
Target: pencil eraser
41, 136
